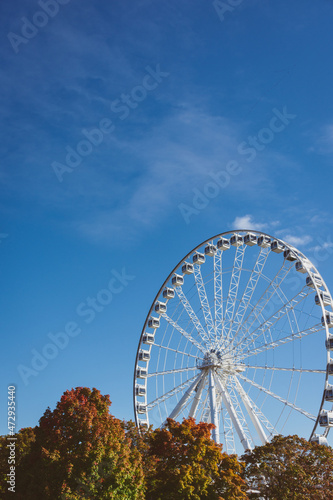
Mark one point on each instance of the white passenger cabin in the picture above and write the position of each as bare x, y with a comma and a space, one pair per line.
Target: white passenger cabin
236, 240
314, 280
153, 322
329, 343
141, 372
319, 440
290, 255
326, 418
327, 319
300, 267
330, 367
223, 244
168, 293
264, 241
140, 408
210, 249
325, 297
144, 355
277, 246
187, 268
160, 307
329, 393
198, 258
177, 280
250, 239
140, 390
148, 338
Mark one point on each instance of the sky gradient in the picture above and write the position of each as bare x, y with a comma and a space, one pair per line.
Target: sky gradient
131, 132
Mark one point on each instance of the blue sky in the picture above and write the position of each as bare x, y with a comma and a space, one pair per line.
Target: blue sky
202, 97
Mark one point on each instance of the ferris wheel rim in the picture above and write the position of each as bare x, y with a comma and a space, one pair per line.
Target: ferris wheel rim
311, 270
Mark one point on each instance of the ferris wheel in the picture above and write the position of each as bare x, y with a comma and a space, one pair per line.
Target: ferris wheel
239, 336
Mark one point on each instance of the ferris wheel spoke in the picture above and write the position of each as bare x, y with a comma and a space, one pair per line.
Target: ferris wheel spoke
183, 332
300, 370
204, 301
278, 342
252, 411
285, 309
185, 398
176, 370
197, 397
167, 348
228, 431
233, 415
249, 291
218, 293
270, 291
213, 407
193, 317
232, 293
172, 392
279, 398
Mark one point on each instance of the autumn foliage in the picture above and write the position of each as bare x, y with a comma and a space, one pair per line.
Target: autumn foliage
187, 464
80, 451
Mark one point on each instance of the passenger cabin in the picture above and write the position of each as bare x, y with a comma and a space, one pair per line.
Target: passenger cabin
329, 393
314, 280
330, 367
148, 338
160, 307
144, 355
153, 322
264, 241
140, 408
326, 418
223, 244
140, 390
177, 280
300, 268
210, 249
329, 343
187, 268
277, 246
236, 240
319, 440
327, 319
168, 293
141, 372
250, 239
325, 297
198, 258
290, 255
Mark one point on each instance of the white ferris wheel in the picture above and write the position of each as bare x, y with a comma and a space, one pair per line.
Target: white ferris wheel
239, 335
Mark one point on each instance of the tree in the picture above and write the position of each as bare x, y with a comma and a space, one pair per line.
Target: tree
290, 467
189, 465
24, 440
81, 451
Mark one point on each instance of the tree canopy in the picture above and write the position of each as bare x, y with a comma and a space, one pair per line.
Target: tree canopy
290, 467
81, 451
188, 464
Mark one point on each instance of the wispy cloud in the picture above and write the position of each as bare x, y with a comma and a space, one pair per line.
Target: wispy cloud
248, 222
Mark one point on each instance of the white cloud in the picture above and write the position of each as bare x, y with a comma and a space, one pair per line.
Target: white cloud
247, 222
297, 241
